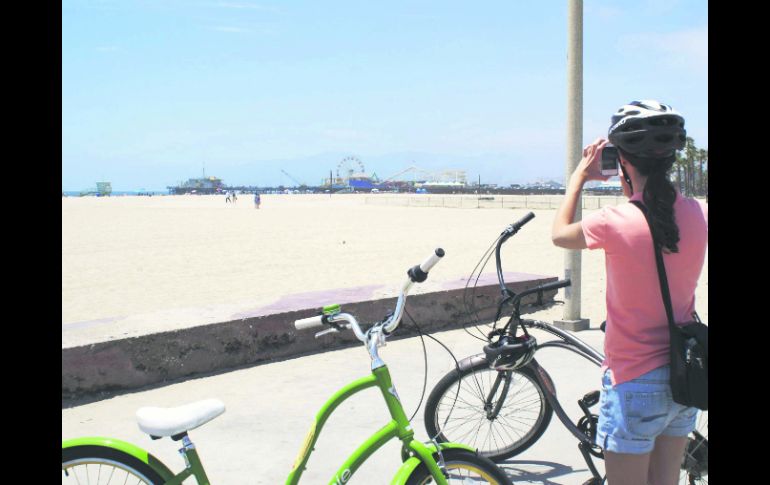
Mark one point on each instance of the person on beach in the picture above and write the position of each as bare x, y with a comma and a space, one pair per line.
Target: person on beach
227, 199
642, 431
256, 200
234, 197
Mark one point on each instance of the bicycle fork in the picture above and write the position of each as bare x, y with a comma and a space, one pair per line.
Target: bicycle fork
494, 410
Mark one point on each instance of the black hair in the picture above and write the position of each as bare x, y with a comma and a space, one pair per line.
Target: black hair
659, 197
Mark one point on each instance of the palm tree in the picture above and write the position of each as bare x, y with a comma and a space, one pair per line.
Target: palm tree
690, 153
703, 155
679, 163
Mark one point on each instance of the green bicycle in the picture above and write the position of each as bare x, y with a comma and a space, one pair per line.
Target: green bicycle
101, 460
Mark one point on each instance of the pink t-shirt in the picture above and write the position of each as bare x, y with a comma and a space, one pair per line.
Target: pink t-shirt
637, 339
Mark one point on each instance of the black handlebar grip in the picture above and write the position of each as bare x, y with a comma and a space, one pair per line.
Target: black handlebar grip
555, 285
524, 220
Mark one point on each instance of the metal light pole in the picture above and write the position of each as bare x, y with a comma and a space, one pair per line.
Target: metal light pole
572, 320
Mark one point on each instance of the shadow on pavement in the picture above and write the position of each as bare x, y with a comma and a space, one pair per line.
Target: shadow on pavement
537, 472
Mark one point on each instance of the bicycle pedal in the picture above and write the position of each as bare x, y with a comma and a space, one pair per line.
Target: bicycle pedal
591, 398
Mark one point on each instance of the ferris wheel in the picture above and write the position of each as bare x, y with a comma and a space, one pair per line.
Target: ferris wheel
350, 167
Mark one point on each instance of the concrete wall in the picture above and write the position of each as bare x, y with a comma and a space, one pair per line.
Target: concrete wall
105, 368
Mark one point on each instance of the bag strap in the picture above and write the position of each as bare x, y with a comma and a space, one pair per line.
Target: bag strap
661, 268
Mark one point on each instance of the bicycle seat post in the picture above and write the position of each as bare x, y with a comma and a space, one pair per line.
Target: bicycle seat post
193, 465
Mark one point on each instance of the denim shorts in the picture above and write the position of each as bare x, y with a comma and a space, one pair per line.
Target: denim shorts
632, 414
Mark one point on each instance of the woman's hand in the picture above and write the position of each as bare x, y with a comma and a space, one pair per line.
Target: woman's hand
589, 167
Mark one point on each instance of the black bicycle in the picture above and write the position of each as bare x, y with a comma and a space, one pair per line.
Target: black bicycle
504, 412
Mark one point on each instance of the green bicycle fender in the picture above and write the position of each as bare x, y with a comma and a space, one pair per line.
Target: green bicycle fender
413, 462
125, 447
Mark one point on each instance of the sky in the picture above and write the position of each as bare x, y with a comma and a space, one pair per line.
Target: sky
154, 92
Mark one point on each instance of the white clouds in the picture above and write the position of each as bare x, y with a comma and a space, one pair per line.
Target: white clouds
686, 49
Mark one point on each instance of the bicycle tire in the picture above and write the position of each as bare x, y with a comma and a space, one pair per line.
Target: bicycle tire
472, 406
694, 470
95, 464
461, 466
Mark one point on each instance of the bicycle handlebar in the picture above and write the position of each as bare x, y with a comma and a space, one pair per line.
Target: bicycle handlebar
417, 274
518, 225
506, 234
555, 285
310, 322
431, 261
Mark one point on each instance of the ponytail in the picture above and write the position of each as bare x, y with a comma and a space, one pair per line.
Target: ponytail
659, 197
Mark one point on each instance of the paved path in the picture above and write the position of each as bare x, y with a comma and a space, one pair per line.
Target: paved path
270, 407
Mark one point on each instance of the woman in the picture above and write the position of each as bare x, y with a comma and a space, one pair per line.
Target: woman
642, 431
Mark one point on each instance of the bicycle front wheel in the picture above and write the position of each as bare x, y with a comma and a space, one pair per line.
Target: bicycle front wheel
462, 467
100, 465
501, 413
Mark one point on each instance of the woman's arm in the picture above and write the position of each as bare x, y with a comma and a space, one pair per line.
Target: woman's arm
566, 233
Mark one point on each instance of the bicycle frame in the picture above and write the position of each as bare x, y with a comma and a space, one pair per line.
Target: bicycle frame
569, 342
566, 339
398, 427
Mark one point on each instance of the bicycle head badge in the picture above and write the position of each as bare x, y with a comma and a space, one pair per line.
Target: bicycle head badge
510, 353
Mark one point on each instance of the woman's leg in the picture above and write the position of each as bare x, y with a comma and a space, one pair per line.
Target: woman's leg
626, 468
666, 460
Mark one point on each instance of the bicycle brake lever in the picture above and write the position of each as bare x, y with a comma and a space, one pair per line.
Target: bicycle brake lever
324, 332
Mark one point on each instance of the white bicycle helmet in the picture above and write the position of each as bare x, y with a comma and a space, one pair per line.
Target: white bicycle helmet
511, 353
648, 129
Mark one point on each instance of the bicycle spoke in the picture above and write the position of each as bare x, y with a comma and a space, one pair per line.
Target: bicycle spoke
477, 429
490, 437
502, 438
504, 424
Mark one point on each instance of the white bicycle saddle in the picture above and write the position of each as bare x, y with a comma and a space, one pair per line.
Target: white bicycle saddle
173, 421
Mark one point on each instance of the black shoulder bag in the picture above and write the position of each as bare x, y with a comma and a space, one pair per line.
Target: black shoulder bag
689, 344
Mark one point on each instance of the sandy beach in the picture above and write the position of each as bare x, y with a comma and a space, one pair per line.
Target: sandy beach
131, 255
